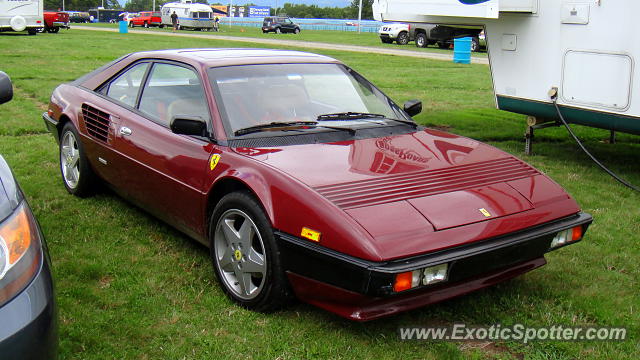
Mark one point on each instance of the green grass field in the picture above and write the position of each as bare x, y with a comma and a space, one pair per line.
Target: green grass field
327, 36
130, 287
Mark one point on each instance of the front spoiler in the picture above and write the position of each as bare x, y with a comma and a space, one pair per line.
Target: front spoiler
375, 279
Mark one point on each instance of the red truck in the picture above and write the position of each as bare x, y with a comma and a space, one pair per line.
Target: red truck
54, 20
146, 19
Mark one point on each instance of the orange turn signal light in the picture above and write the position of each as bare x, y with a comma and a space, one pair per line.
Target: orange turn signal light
576, 233
403, 281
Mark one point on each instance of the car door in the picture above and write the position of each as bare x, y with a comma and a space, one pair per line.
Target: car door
102, 114
165, 171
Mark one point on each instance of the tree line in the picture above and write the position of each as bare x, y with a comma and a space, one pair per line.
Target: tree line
292, 10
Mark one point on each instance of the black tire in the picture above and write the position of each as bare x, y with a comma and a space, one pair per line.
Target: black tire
270, 290
278, 31
54, 30
403, 38
443, 45
386, 40
264, 32
84, 184
131, 24
161, 26
146, 24
421, 40
32, 31
296, 31
475, 45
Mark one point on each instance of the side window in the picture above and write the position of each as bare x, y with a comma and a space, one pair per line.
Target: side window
173, 90
125, 87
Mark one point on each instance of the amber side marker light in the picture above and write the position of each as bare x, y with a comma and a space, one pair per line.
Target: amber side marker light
310, 234
567, 236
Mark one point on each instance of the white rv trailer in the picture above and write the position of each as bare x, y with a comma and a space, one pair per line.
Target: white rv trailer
190, 15
587, 49
20, 15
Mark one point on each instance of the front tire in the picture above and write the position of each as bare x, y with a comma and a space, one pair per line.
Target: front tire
297, 31
146, 24
77, 175
278, 31
403, 38
245, 255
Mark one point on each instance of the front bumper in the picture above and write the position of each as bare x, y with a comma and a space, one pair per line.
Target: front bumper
51, 124
61, 24
28, 323
363, 290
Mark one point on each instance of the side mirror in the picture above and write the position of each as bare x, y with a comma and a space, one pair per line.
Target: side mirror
188, 125
413, 107
6, 89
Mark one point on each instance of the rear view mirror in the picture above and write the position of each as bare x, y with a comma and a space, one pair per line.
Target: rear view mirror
413, 107
6, 89
188, 125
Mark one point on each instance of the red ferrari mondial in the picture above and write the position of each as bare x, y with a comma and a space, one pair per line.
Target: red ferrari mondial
305, 180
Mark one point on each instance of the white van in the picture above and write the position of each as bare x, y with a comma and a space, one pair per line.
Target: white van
20, 15
190, 15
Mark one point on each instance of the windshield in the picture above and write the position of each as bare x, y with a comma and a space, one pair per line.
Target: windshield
253, 95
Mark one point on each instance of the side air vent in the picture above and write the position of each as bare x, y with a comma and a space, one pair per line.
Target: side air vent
423, 183
97, 122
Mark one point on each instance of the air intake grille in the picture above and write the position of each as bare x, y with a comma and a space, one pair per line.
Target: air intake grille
418, 184
97, 122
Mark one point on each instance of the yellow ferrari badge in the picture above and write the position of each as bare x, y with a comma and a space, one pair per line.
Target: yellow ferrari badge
237, 254
485, 212
213, 162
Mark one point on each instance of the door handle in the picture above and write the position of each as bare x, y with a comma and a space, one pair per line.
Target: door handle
125, 131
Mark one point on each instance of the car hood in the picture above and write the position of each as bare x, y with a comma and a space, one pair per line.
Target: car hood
417, 184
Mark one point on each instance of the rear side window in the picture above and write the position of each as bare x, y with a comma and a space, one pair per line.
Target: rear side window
125, 87
173, 90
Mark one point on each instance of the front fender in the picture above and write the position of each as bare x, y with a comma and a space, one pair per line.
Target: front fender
291, 205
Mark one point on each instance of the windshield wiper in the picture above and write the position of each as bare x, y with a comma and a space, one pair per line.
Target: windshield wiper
275, 125
272, 125
349, 116
345, 116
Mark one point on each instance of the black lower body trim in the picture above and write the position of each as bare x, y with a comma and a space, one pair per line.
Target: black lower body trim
371, 278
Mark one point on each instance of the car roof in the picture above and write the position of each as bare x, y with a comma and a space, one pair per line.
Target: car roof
238, 56
208, 57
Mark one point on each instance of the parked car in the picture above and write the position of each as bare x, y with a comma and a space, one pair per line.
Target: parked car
443, 36
147, 19
54, 20
28, 320
279, 24
79, 16
400, 33
304, 179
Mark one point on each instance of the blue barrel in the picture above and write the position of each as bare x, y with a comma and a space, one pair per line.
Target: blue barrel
123, 27
462, 50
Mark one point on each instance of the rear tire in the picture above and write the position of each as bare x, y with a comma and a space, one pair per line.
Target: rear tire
131, 24
443, 45
32, 31
146, 24
245, 255
77, 175
54, 30
278, 31
475, 45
